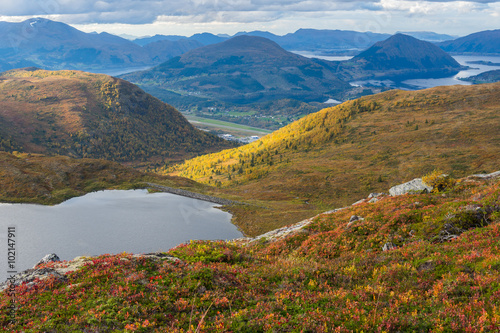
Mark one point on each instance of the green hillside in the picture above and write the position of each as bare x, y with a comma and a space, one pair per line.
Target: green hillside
339, 155
80, 114
330, 276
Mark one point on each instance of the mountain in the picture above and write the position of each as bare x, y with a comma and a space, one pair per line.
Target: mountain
51, 44
400, 57
329, 41
428, 36
241, 70
336, 156
206, 38
485, 77
484, 42
88, 115
142, 41
163, 50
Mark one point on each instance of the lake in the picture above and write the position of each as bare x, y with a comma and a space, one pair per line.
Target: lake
110, 222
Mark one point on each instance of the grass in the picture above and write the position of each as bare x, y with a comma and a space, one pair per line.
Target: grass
219, 124
325, 278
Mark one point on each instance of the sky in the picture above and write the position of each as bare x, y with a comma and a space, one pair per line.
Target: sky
187, 17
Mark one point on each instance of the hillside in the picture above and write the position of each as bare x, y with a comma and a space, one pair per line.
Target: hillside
88, 115
241, 70
48, 180
483, 42
485, 77
336, 156
332, 275
400, 57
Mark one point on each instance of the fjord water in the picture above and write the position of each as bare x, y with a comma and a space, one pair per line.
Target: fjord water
110, 222
464, 60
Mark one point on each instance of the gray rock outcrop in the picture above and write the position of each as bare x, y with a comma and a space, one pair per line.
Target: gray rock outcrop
52, 257
413, 186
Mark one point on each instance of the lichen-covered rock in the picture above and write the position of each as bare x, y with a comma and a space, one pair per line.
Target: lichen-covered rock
413, 186
388, 246
52, 257
29, 277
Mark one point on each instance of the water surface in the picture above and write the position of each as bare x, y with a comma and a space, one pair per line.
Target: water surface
110, 222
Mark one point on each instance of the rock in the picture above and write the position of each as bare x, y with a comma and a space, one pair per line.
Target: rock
353, 219
426, 266
488, 175
413, 186
29, 276
158, 256
359, 202
48, 258
388, 246
375, 195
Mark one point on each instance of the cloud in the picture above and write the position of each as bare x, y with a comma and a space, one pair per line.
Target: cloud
279, 16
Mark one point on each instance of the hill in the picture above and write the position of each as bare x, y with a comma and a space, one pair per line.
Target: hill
243, 69
400, 57
483, 42
336, 156
370, 267
163, 50
485, 77
55, 45
89, 115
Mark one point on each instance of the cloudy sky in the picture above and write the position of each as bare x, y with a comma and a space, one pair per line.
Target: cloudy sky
186, 17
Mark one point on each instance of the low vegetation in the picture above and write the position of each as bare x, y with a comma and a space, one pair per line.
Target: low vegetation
332, 276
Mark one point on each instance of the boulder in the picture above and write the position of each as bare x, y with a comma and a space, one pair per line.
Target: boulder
48, 258
413, 186
388, 246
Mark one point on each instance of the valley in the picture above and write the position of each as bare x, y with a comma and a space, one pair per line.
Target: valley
316, 181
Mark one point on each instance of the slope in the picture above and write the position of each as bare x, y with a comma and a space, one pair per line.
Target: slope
88, 115
241, 70
330, 276
400, 57
339, 155
483, 42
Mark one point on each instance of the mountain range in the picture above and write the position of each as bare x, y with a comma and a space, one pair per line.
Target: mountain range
249, 69
479, 43
243, 69
55, 45
80, 114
